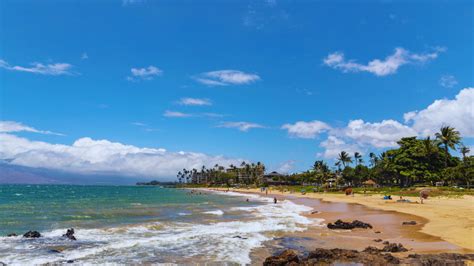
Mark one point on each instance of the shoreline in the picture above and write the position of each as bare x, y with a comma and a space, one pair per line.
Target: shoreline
449, 219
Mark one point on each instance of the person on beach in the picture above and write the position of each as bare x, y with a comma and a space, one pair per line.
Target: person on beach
275, 200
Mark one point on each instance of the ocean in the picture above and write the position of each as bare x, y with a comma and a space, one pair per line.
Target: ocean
139, 224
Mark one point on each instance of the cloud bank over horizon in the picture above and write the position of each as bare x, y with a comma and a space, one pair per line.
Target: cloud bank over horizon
90, 156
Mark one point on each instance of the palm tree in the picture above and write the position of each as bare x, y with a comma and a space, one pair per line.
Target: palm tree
358, 158
373, 159
464, 151
344, 158
449, 137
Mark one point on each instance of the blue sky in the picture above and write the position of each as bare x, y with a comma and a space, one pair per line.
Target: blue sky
231, 79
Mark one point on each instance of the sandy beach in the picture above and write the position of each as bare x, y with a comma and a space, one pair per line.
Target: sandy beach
450, 219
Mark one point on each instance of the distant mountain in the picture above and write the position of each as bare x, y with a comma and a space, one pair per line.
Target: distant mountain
14, 174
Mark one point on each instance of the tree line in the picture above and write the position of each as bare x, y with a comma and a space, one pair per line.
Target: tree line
423, 161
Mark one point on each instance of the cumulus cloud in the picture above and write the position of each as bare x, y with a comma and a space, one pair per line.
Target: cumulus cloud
12, 126
286, 167
448, 81
334, 145
457, 113
87, 155
176, 114
195, 101
242, 126
380, 135
306, 130
54, 69
146, 73
226, 77
379, 67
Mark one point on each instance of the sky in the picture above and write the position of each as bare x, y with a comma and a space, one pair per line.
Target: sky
145, 88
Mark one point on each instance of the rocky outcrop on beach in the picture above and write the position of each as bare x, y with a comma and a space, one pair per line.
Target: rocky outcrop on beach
339, 224
389, 247
12, 235
370, 256
70, 234
32, 234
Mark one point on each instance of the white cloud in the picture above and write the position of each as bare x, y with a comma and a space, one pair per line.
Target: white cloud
388, 66
334, 145
306, 130
195, 101
12, 126
132, 2
242, 126
139, 124
457, 113
146, 73
87, 155
176, 114
226, 77
286, 167
54, 69
448, 81
380, 135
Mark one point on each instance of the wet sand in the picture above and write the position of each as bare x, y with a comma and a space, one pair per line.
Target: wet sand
387, 226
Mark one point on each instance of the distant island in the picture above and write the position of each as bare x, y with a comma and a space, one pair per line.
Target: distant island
156, 183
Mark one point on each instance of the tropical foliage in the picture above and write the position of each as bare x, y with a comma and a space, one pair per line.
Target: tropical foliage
416, 161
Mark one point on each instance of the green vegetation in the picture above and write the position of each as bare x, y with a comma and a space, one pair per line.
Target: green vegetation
416, 162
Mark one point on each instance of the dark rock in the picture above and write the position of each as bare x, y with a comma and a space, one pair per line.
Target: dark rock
70, 261
70, 234
55, 251
288, 256
409, 223
11, 235
392, 247
389, 247
378, 240
441, 259
377, 232
370, 256
314, 212
339, 224
329, 256
32, 234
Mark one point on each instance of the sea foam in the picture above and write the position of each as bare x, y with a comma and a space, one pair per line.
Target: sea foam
226, 241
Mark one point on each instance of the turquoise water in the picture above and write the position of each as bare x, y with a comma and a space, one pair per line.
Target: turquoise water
138, 224
49, 207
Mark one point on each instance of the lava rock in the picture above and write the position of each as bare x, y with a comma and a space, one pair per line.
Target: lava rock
70, 234
378, 240
339, 224
32, 234
288, 256
392, 247
12, 235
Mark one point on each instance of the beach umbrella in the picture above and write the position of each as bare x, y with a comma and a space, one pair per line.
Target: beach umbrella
348, 191
424, 193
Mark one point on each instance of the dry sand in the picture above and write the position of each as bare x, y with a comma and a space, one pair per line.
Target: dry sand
451, 219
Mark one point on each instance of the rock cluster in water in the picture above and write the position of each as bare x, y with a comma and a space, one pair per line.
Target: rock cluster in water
339, 224
32, 234
70, 234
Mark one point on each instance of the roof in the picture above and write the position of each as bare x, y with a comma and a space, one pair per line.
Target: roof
274, 173
369, 182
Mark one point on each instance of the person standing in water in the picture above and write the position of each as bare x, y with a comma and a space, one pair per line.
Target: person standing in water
275, 200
